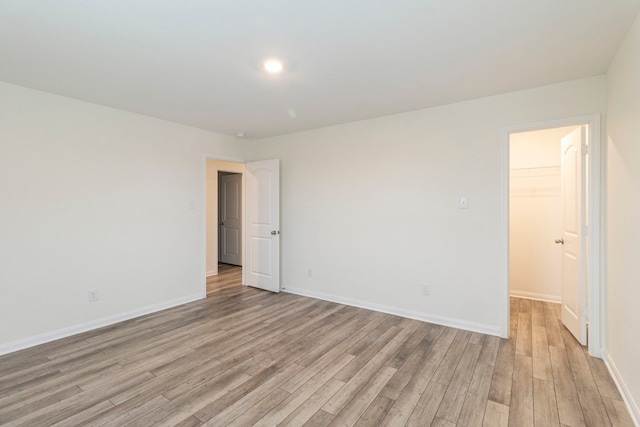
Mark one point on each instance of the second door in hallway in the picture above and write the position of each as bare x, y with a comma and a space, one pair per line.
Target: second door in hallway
230, 218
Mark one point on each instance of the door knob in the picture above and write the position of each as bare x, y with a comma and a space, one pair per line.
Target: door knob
561, 241
274, 232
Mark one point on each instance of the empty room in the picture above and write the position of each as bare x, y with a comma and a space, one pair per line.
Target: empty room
369, 213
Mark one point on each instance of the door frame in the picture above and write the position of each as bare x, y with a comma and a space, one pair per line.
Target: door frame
595, 252
203, 257
239, 175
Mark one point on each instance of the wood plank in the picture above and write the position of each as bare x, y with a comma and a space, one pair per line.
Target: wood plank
575, 352
496, 415
411, 394
394, 387
521, 408
352, 411
81, 417
235, 403
128, 411
319, 419
297, 347
475, 402
78, 403
180, 409
514, 314
524, 339
537, 313
346, 393
14, 400
345, 335
229, 276
189, 422
455, 352
376, 412
426, 408
453, 400
593, 409
489, 353
366, 355
319, 363
257, 411
265, 341
544, 403
540, 352
305, 412
553, 325
618, 412
500, 390
407, 349
299, 395
477, 338
178, 386
26, 409
606, 385
569, 410
442, 338
441, 422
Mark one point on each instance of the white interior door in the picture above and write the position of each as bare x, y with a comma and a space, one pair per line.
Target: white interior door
573, 152
262, 225
230, 218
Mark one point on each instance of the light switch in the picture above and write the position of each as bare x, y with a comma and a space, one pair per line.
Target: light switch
464, 204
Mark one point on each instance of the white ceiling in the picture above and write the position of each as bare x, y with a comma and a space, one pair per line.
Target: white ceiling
197, 62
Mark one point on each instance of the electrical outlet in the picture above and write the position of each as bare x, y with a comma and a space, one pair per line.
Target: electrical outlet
310, 272
93, 295
426, 290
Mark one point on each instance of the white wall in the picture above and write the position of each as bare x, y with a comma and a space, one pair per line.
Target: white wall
213, 167
536, 149
96, 198
372, 206
535, 214
623, 214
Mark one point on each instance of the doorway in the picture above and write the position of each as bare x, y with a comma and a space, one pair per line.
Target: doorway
259, 245
535, 214
216, 173
230, 218
541, 239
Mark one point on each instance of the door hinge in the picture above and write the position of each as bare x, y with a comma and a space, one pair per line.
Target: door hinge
585, 149
585, 231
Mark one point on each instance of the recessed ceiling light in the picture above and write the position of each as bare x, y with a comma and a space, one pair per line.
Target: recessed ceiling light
273, 66
240, 134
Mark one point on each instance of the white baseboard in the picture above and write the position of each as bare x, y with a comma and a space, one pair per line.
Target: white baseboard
94, 324
539, 297
624, 391
424, 317
212, 273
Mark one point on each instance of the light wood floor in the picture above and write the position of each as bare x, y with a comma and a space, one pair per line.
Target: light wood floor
228, 277
245, 357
